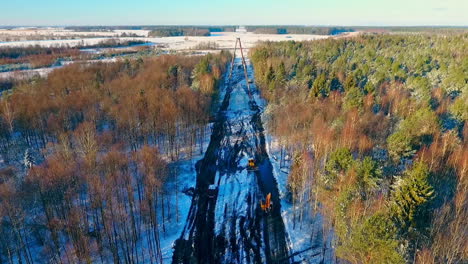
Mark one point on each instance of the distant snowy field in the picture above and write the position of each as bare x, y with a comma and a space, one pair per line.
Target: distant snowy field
60, 32
225, 40
62, 42
185, 45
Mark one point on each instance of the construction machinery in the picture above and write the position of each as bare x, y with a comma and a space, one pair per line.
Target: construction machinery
251, 166
266, 204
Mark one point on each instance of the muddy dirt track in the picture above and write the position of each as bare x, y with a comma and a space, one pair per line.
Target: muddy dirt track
225, 224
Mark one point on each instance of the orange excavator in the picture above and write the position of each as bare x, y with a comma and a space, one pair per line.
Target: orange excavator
266, 205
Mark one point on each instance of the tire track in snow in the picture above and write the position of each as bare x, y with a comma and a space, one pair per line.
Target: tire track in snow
230, 227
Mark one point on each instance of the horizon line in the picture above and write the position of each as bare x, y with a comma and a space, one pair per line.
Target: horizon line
229, 25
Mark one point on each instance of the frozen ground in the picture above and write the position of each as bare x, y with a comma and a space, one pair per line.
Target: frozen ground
228, 227
225, 40
185, 45
308, 239
225, 223
179, 201
25, 74
40, 33
234, 214
309, 242
63, 42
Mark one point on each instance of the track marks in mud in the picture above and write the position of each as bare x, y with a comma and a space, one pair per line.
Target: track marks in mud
231, 228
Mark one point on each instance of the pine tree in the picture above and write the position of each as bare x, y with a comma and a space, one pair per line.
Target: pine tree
368, 175
372, 240
354, 98
340, 160
270, 78
411, 193
320, 87
399, 145
281, 75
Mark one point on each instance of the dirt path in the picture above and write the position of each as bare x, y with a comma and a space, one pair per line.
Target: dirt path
227, 225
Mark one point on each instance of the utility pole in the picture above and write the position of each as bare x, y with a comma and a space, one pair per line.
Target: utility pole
244, 64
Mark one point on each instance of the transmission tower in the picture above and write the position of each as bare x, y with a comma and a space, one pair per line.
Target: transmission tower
244, 64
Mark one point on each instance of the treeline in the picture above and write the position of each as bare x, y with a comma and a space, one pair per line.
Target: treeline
208, 45
177, 31
298, 30
17, 52
89, 151
377, 128
323, 30
165, 31
153, 28
113, 43
38, 56
35, 55
425, 29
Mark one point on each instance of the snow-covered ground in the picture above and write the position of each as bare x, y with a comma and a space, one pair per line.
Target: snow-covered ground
232, 195
39, 33
179, 201
185, 45
225, 40
238, 188
307, 238
307, 235
26, 74
64, 42
230, 221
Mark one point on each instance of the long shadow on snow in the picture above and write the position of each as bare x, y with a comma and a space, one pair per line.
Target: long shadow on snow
198, 243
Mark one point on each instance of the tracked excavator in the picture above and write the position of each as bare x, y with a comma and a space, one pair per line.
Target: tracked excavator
251, 166
266, 204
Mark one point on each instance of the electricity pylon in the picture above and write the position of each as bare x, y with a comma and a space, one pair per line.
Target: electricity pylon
243, 64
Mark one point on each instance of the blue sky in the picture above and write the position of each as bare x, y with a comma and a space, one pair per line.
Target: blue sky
245, 12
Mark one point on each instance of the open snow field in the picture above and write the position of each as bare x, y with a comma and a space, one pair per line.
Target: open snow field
41, 33
186, 45
225, 40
